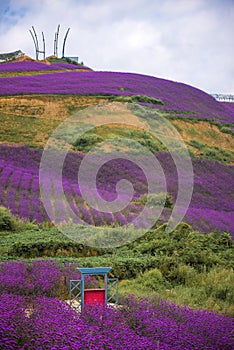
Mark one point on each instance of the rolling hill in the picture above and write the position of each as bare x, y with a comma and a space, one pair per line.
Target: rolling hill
36, 97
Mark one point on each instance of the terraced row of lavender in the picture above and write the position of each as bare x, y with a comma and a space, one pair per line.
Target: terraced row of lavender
32, 66
211, 206
178, 97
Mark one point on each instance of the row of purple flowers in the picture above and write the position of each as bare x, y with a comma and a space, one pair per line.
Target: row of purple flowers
39, 277
50, 324
33, 66
211, 206
177, 97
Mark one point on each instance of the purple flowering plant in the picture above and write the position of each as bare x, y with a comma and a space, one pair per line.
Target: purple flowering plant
50, 323
211, 206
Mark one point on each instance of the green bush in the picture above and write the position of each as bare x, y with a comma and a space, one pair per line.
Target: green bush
152, 279
51, 248
196, 144
7, 220
218, 283
86, 142
137, 98
185, 274
122, 267
212, 152
160, 199
227, 130
156, 199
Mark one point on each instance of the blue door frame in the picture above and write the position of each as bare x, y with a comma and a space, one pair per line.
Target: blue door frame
77, 287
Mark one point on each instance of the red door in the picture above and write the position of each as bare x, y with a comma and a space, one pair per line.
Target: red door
94, 296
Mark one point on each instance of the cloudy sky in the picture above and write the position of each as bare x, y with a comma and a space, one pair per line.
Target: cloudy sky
189, 41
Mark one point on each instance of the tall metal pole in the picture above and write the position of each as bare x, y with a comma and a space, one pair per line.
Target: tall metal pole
57, 40
43, 38
35, 44
55, 44
64, 42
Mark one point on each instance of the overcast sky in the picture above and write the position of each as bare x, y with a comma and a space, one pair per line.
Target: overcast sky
189, 41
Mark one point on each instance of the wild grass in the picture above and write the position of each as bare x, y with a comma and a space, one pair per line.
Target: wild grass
211, 290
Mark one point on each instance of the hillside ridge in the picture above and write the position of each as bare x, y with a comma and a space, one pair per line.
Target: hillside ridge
35, 101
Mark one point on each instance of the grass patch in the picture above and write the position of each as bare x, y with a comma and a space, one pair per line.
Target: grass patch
214, 153
113, 133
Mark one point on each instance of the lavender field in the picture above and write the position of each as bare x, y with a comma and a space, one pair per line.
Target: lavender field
138, 325
211, 206
34, 315
179, 98
185, 267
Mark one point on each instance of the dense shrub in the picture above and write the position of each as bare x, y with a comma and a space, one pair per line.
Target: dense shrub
212, 152
137, 98
227, 130
87, 142
152, 279
156, 199
51, 248
218, 283
7, 221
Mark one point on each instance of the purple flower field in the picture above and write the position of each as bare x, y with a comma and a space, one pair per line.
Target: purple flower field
49, 323
211, 207
179, 98
34, 316
229, 106
32, 66
39, 278
34, 312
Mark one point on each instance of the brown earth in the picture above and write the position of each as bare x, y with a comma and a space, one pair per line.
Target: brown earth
46, 107
205, 133
31, 120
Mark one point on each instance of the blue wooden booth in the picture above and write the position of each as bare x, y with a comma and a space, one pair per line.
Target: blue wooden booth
80, 296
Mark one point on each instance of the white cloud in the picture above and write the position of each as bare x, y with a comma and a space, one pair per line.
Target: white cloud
184, 40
